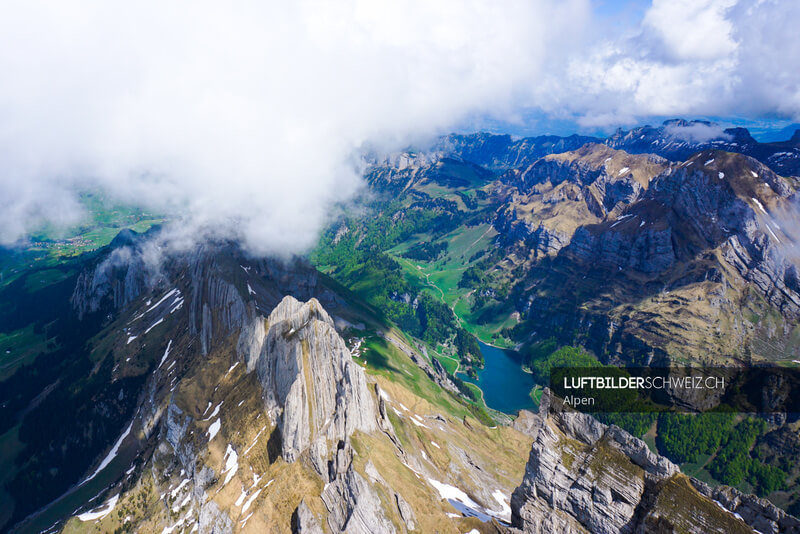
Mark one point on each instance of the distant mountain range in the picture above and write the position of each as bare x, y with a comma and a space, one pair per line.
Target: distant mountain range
675, 140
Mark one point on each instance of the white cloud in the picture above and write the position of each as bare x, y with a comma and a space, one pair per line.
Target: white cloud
691, 57
696, 132
691, 29
246, 118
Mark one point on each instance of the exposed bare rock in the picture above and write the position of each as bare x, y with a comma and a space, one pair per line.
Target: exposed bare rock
435, 371
592, 481
673, 140
251, 339
761, 514
117, 280
406, 513
305, 522
353, 506
528, 423
584, 476
311, 385
213, 520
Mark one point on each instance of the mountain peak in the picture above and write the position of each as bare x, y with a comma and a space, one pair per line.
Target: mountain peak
298, 314
311, 385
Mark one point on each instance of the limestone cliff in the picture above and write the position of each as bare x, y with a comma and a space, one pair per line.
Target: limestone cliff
584, 476
311, 386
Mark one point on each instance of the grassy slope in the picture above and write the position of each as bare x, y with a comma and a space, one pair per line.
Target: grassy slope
49, 246
441, 277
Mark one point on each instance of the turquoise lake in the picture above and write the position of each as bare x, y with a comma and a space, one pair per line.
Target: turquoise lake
505, 385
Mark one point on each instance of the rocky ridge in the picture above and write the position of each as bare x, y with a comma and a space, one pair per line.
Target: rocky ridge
547, 201
678, 139
584, 476
704, 236
255, 412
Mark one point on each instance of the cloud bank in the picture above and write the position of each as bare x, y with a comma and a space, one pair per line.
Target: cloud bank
246, 120
736, 58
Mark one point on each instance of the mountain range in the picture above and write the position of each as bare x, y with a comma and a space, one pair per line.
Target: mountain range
146, 389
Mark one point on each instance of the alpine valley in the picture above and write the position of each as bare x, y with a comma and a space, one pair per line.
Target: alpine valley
393, 379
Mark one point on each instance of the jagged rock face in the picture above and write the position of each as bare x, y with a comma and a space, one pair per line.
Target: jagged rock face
305, 522
555, 172
673, 140
539, 238
561, 193
311, 385
584, 476
714, 200
502, 152
116, 281
679, 263
762, 515
650, 251
353, 506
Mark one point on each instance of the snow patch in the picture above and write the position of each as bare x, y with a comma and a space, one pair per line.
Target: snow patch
622, 171
170, 530
180, 486
254, 441
244, 521
417, 421
620, 219
721, 175
231, 464
100, 513
155, 324
165, 297
178, 304
435, 444
773, 234
505, 509
111, 454
708, 162
213, 429
251, 499
459, 500
130, 338
215, 412
166, 354
241, 498
760, 206
250, 289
